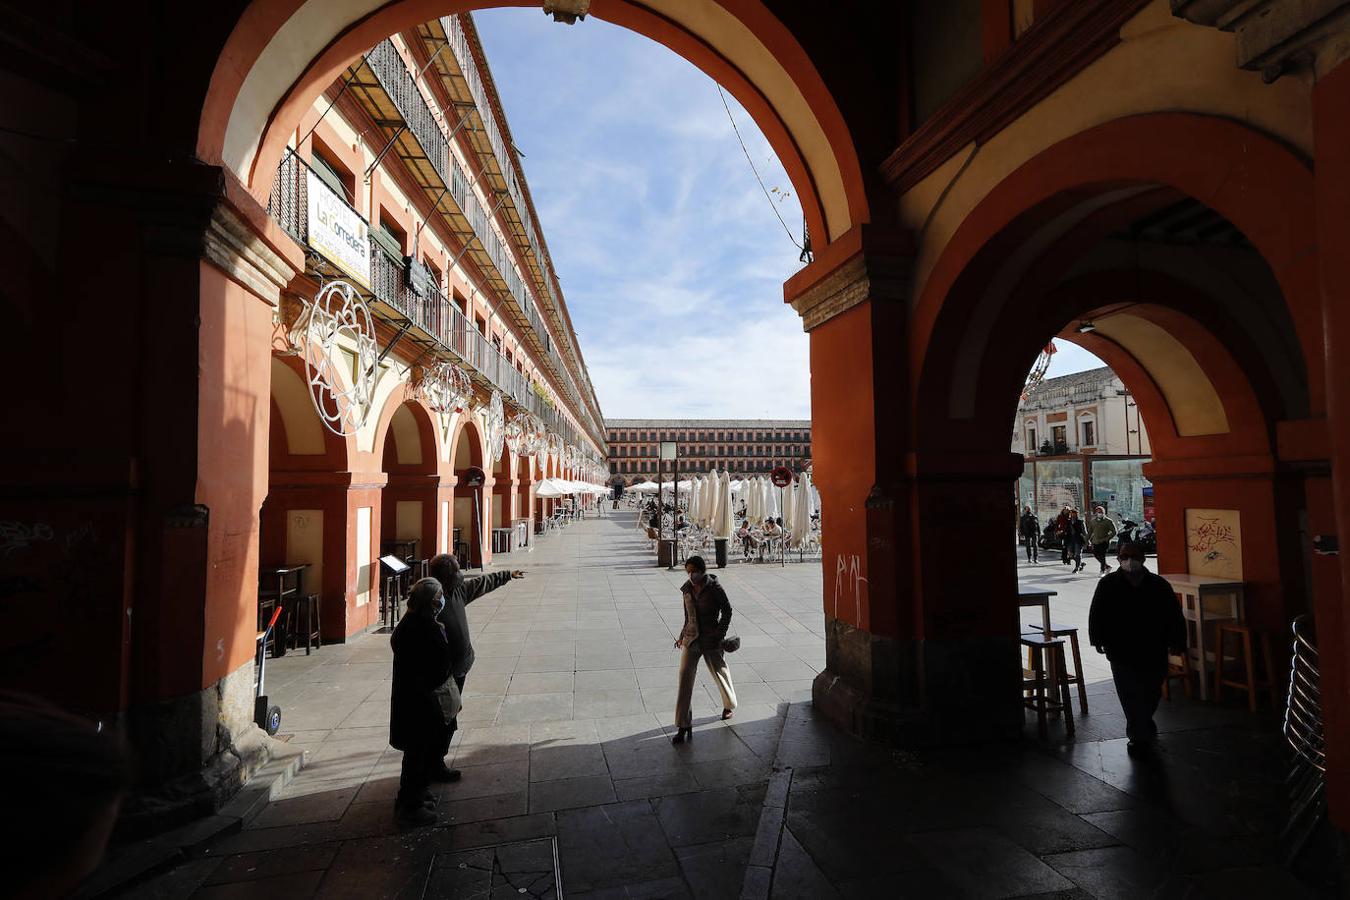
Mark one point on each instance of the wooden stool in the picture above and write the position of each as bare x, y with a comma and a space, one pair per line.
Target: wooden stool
304, 609
1180, 670
1046, 655
1058, 631
1249, 683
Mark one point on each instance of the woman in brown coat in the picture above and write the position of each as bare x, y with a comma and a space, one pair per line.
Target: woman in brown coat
707, 614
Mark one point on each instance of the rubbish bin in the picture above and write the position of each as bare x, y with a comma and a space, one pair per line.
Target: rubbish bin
616, 505
720, 550
665, 553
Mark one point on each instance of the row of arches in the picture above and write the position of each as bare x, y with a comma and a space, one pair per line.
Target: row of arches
339, 503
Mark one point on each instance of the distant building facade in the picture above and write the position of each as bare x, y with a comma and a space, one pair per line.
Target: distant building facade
1084, 444
1085, 413
741, 446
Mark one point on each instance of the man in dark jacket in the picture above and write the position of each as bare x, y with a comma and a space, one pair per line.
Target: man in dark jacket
459, 593
1031, 533
417, 723
1135, 620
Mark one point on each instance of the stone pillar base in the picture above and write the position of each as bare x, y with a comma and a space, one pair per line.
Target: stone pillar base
917, 694
193, 754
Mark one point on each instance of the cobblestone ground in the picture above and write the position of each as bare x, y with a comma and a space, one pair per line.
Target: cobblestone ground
569, 777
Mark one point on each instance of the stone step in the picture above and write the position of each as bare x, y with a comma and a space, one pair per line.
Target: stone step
142, 860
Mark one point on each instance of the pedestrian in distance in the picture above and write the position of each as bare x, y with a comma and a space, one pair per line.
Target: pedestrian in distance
423, 702
459, 593
707, 615
1135, 620
1075, 537
1031, 532
1062, 533
1100, 533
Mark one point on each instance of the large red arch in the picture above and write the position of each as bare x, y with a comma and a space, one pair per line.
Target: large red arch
263, 19
1267, 193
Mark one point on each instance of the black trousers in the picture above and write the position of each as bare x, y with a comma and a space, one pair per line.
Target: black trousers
415, 777
1139, 687
1099, 551
1033, 551
454, 723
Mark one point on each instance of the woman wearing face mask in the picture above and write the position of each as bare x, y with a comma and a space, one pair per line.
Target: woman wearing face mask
1135, 620
418, 720
707, 614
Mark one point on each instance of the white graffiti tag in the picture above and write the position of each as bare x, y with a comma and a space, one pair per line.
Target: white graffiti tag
848, 579
17, 535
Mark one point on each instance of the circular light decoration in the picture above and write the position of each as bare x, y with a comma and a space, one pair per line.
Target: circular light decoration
443, 387
514, 435
494, 424
555, 448
536, 441
328, 333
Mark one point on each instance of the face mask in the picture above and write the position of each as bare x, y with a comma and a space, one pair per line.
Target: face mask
698, 577
1131, 566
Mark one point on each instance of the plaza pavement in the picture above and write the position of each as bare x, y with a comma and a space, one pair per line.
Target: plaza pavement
569, 776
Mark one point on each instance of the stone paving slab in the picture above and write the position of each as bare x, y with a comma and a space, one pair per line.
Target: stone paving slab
565, 744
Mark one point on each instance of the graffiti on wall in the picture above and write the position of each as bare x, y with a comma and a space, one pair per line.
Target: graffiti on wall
1214, 543
848, 582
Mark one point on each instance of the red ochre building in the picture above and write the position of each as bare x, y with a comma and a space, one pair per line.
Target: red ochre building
740, 446
977, 178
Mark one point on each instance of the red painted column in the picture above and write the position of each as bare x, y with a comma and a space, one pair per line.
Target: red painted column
1331, 169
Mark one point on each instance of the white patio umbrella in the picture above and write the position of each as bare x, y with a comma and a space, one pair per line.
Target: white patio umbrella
692, 506
801, 512
711, 490
646, 487
789, 496
548, 489
723, 524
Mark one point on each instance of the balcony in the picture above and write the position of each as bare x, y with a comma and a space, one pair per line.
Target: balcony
431, 317
417, 135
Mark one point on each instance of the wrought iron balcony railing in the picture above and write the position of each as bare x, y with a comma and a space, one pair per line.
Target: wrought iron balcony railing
431, 311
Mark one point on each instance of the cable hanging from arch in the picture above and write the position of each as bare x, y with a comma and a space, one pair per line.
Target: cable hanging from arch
741, 141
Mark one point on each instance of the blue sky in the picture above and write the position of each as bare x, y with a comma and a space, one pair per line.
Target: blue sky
670, 256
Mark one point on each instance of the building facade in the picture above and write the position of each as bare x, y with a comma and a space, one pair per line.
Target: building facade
1086, 413
740, 446
973, 183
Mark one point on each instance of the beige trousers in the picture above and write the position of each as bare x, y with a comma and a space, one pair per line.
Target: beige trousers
717, 667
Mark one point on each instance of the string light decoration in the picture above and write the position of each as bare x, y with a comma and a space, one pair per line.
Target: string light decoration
1037, 374
335, 324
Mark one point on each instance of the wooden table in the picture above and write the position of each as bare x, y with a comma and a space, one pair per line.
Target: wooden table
1034, 595
269, 599
1205, 599
1031, 595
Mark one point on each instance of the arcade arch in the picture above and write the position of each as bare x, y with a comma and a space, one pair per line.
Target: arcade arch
1197, 292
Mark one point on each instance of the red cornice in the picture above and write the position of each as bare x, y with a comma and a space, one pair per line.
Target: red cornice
1051, 52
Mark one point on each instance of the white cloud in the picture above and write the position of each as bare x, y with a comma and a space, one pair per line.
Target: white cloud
670, 256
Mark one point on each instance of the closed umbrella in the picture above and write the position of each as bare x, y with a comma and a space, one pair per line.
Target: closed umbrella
713, 490
724, 525
789, 502
801, 514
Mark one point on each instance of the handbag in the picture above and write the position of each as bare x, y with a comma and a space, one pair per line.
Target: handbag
731, 644
447, 696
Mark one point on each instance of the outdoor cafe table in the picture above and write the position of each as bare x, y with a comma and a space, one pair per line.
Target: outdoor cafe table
1205, 599
1034, 595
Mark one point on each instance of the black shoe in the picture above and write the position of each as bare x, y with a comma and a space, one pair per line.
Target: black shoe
445, 775
682, 735
414, 816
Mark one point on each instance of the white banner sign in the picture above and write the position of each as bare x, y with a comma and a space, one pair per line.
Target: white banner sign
338, 232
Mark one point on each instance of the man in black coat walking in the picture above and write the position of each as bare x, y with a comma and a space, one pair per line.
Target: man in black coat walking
1135, 620
1031, 533
459, 593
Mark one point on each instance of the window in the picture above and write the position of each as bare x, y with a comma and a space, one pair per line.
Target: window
336, 176
1061, 436
1089, 433
1031, 439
